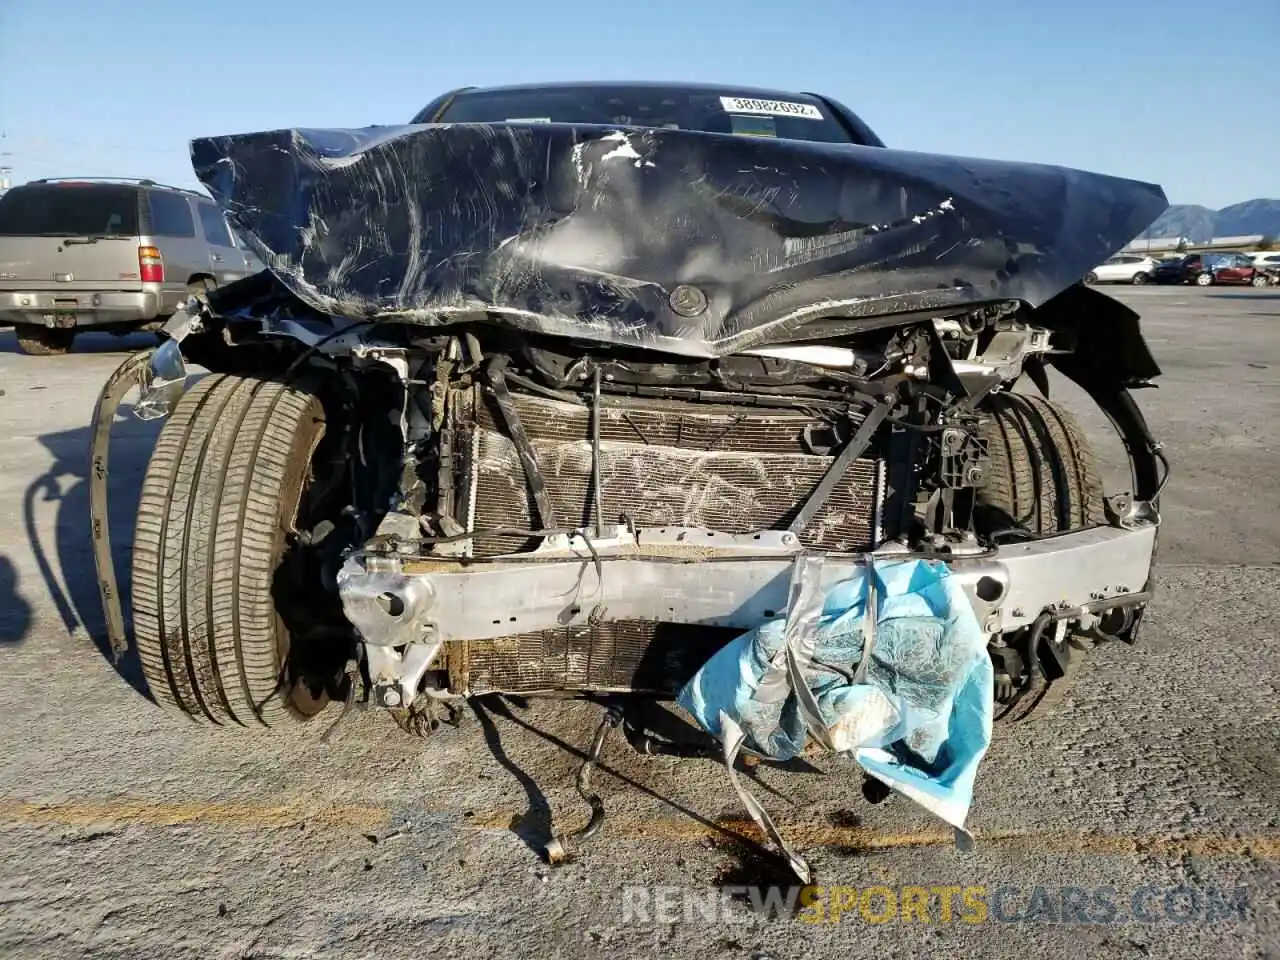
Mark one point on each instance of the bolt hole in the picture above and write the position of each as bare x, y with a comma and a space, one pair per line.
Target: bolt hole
391, 605
989, 589
1116, 620
768, 614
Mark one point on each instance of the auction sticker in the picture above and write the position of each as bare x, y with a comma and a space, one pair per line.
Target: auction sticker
775, 108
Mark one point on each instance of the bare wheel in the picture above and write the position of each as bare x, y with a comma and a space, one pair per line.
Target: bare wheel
37, 341
1042, 476
223, 491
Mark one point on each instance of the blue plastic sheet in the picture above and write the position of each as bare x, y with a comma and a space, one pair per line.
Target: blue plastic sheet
915, 714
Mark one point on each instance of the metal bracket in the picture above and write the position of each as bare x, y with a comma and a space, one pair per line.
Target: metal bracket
132, 373
396, 676
856, 446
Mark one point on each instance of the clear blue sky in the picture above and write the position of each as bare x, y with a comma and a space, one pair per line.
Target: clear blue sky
1185, 94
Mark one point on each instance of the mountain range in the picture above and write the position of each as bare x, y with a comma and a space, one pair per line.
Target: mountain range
1200, 224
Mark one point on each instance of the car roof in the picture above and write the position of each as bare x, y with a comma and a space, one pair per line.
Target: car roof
725, 88
139, 183
861, 130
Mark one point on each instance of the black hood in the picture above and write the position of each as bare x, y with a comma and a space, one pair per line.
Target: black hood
598, 233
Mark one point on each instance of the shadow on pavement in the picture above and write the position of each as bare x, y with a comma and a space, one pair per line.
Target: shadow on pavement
535, 827
15, 612
85, 343
65, 560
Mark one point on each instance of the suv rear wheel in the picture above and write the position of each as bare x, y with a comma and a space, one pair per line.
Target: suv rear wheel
213, 546
38, 341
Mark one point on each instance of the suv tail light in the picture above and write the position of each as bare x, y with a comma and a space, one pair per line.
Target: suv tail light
150, 265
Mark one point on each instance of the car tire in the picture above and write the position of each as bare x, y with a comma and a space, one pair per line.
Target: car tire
1259, 280
1141, 278
38, 341
1204, 279
1042, 475
1090, 278
1042, 478
220, 496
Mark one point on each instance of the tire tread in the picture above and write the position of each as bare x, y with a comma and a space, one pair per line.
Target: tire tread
222, 486
1042, 472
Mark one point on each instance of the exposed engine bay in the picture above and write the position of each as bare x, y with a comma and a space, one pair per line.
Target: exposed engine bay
515, 481
432, 499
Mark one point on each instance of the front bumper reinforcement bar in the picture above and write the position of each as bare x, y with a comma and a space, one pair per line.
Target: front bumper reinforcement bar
695, 576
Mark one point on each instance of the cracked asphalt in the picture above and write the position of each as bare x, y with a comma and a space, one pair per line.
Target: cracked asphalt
1140, 818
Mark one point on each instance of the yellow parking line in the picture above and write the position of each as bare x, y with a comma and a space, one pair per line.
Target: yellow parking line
851, 838
860, 839
219, 814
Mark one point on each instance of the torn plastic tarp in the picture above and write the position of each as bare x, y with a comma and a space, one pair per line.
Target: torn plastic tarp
591, 232
916, 713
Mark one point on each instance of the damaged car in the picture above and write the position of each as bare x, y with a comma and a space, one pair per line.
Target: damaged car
644, 392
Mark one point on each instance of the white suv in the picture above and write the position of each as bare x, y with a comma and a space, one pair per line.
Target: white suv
1125, 268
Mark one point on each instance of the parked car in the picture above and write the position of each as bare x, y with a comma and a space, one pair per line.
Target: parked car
1214, 268
117, 255
1238, 268
1125, 268
1268, 261
1184, 269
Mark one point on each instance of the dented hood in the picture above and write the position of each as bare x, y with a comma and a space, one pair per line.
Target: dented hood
695, 243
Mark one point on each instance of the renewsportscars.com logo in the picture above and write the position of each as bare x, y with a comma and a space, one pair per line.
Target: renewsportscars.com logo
936, 904
1009, 903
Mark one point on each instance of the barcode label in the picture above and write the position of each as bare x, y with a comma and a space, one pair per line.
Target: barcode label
774, 108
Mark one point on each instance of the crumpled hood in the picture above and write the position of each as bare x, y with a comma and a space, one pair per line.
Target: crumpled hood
598, 233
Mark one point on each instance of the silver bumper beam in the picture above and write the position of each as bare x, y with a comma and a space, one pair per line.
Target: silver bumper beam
703, 577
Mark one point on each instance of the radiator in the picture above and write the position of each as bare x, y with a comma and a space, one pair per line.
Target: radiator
735, 470
625, 655
662, 463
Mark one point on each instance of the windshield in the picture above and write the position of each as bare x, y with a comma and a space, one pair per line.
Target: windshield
69, 210
786, 116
